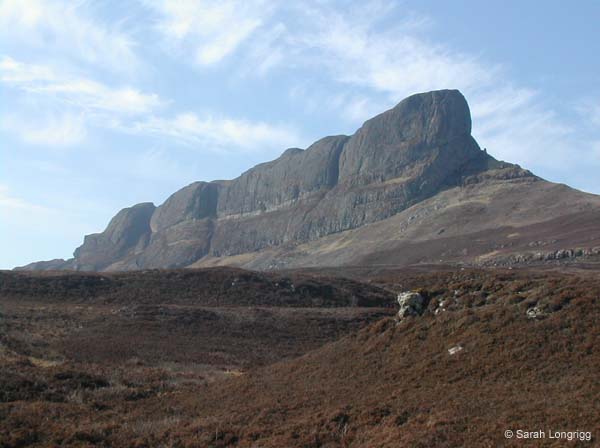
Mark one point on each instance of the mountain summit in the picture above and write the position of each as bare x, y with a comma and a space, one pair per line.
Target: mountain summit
409, 186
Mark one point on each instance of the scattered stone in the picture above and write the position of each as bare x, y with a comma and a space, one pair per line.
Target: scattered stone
454, 350
441, 307
536, 257
535, 313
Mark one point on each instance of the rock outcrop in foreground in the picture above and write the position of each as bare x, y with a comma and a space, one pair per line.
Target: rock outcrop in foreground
400, 158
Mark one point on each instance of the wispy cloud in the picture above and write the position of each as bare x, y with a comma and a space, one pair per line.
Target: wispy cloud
211, 29
10, 203
56, 131
63, 29
267, 50
373, 65
219, 134
76, 91
128, 110
356, 50
73, 104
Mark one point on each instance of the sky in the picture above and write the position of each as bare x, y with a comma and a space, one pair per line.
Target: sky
105, 104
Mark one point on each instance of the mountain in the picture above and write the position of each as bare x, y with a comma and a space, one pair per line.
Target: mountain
410, 186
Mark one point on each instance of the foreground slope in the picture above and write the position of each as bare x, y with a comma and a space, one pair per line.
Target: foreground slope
396, 384
526, 357
417, 160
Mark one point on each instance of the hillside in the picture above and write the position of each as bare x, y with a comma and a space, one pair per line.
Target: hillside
493, 351
494, 223
410, 181
215, 287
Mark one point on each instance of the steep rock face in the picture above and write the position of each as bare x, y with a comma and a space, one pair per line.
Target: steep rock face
395, 160
391, 144
295, 175
176, 246
128, 232
196, 201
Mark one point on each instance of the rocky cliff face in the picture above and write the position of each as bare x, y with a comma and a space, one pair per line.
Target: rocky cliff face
395, 160
127, 233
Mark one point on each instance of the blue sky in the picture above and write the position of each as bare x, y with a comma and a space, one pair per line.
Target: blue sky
104, 104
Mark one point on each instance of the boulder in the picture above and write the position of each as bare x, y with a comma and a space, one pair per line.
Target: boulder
411, 303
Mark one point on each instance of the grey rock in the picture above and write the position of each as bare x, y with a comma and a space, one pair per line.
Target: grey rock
395, 160
535, 313
129, 231
411, 304
296, 175
51, 265
196, 201
178, 245
396, 142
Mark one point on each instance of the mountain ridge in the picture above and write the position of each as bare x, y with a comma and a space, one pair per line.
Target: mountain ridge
399, 159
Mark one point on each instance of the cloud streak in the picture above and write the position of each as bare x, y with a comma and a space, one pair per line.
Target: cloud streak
10, 203
56, 130
217, 133
64, 30
127, 110
373, 66
83, 93
211, 30
72, 104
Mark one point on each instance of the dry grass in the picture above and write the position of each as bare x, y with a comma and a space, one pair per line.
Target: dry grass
388, 384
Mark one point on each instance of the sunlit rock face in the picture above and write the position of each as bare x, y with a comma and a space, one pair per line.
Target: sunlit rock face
395, 160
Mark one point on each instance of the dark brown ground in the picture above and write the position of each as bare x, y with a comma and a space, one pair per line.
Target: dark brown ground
85, 364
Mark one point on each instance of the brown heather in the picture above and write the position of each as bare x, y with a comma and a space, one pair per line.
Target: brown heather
85, 364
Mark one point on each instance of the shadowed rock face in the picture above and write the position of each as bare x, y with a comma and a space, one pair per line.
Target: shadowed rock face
127, 233
296, 175
391, 144
196, 201
395, 160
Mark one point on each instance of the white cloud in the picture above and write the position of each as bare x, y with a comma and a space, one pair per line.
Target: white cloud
217, 133
357, 63
15, 72
371, 65
84, 93
267, 50
64, 130
94, 95
211, 29
62, 29
531, 136
64, 105
11, 204
355, 108
127, 110
358, 53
